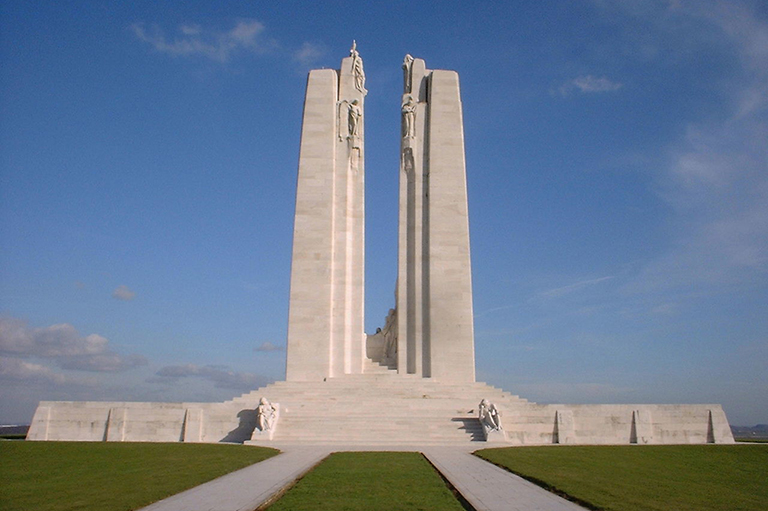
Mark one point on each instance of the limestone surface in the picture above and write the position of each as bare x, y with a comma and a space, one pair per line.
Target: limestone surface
325, 322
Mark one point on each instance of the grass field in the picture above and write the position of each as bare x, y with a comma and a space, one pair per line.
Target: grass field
99, 476
370, 481
640, 478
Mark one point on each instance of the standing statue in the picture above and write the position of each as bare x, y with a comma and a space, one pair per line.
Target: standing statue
354, 114
266, 413
357, 68
409, 118
408, 73
490, 416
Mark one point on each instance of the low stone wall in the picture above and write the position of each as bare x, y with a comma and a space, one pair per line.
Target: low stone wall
142, 422
616, 424
524, 423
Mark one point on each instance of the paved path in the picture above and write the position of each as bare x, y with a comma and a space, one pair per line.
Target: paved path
485, 486
488, 487
247, 488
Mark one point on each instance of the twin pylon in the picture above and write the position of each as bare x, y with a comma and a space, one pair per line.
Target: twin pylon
430, 331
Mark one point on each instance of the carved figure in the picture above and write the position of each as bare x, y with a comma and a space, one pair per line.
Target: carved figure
353, 118
357, 68
390, 337
266, 414
490, 416
409, 118
408, 73
408, 163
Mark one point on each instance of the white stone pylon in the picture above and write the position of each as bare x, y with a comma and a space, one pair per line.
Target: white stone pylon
325, 322
434, 290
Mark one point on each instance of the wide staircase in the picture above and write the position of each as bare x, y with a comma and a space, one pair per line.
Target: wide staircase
379, 407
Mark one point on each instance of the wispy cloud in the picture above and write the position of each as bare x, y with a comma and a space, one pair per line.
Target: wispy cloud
309, 53
268, 346
105, 362
190, 40
123, 293
589, 84
497, 309
65, 346
716, 180
574, 392
560, 291
222, 376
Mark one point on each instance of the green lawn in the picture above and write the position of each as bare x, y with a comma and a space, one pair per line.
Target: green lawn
639, 478
100, 476
370, 481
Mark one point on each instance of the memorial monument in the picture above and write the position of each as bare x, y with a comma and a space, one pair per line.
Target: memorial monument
413, 381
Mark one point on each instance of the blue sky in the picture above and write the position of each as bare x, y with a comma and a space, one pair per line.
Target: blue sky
617, 172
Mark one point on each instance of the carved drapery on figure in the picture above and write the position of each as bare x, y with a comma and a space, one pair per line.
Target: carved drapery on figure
357, 68
389, 332
490, 416
266, 415
409, 117
408, 73
350, 116
354, 114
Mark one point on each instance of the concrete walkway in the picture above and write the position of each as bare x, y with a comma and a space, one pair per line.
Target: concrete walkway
247, 488
488, 487
484, 485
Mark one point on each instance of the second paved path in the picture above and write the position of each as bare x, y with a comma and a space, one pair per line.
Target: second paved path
490, 488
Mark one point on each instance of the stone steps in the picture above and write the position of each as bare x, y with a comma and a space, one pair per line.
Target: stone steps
393, 387
379, 407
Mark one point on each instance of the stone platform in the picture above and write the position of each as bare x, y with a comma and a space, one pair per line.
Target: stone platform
380, 407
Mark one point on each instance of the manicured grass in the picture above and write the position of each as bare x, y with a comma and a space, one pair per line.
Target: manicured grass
99, 476
370, 481
638, 478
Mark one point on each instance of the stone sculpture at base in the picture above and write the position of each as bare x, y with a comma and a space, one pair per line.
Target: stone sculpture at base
413, 382
490, 419
267, 415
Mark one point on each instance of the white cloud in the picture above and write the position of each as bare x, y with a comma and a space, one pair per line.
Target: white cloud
222, 376
268, 346
63, 344
309, 53
123, 293
18, 370
216, 45
589, 84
